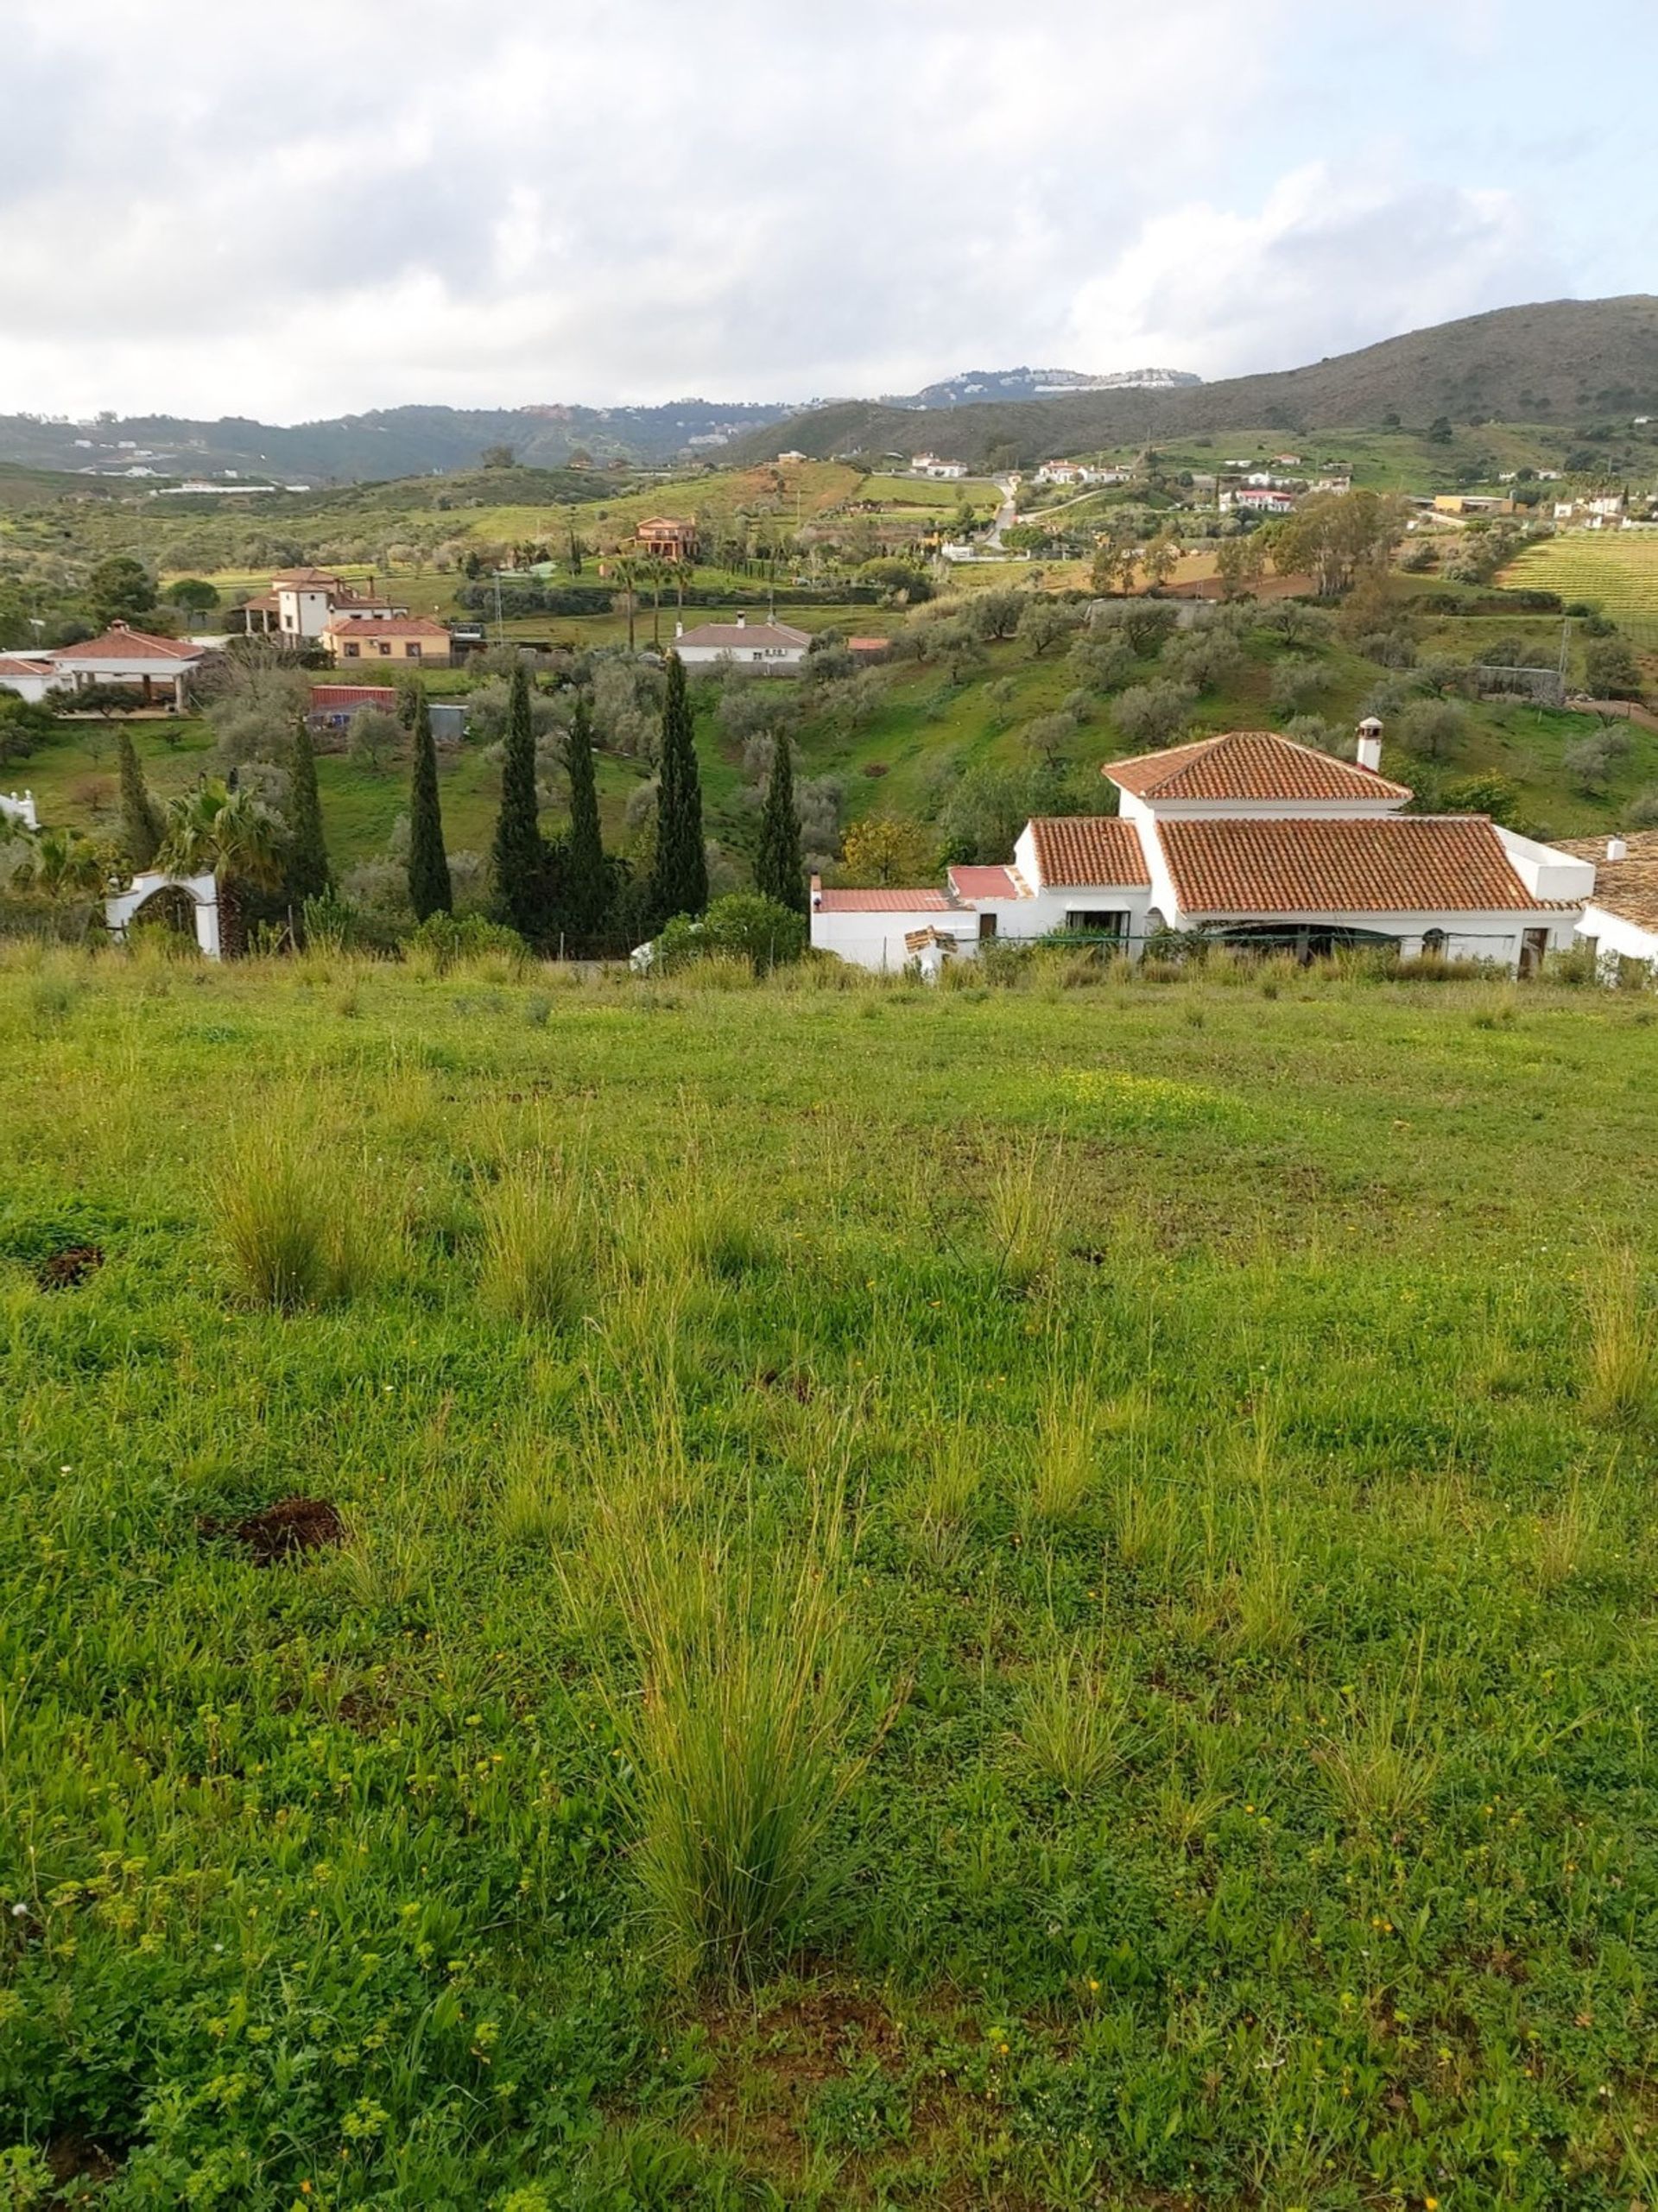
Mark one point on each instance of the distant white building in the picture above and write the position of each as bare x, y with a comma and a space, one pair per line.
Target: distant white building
30, 675
126, 655
929, 465
769, 647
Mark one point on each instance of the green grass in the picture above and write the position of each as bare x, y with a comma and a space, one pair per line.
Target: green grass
704, 1773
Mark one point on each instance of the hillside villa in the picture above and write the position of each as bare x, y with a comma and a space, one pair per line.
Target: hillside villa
121, 655
663, 538
929, 465
767, 647
303, 601
1620, 916
1245, 838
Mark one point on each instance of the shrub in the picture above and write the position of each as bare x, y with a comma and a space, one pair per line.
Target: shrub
741, 925
446, 940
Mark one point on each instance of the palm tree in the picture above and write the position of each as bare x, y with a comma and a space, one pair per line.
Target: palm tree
655, 572
231, 835
625, 566
64, 863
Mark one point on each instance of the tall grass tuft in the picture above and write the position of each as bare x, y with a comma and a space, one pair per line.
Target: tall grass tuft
1026, 1214
1071, 1723
536, 1259
1377, 1770
736, 1738
1068, 1449
939, 1504
293, 1235
1623, 1342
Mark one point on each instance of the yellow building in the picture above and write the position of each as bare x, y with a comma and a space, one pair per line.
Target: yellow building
405, 637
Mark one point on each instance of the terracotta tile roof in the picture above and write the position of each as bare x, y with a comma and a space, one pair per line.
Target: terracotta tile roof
393, 626
1626, 888
118, 642
19, 664
1390, 864
986, 883
267, 602
310, 576
1085, 850
880, 901
324, 696
1246, 764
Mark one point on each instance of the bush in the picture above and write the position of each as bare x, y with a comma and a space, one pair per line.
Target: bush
445, 940
1611, 671
743, 925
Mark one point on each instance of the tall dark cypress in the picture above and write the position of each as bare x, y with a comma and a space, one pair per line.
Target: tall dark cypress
517, 860
586, 880
680, 884
779, 870
429, 892
141, 821
308, 873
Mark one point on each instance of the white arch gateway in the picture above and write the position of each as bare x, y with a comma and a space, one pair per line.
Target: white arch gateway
202, 891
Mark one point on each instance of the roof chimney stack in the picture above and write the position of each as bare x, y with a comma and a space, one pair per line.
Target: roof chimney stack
742, 621
1618, 848
1370, 745
817, 893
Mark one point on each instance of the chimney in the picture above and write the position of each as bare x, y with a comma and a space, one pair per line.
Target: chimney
678, 629
742, 621
817, 893
1618, 848
1370, 745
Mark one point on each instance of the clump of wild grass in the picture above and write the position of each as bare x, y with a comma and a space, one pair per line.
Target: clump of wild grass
1072, 1723
1026, 1214
939, 1504
1623, 1341
1568, 1537
1068, 1449
702, 1225
536, 1262
294, 1237
735, 1737
1378, 1770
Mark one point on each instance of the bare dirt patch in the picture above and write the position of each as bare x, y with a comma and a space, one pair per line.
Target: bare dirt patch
285, 1531
64, 1270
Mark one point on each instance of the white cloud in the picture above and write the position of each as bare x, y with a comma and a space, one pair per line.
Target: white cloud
757, 199
1330, 261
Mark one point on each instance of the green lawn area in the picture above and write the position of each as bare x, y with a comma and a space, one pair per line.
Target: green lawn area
1035, 1597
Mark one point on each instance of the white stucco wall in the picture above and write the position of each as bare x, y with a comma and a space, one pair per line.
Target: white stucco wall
878, 940
1615, 934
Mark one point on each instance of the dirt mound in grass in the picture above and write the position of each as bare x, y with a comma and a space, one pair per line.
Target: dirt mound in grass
288, 1530
63, 1270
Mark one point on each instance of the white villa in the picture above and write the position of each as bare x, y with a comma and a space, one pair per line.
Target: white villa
929, 465
1246, 838
302, 602
121, 655
767, 647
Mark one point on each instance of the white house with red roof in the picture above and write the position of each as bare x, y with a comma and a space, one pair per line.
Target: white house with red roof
126, 655
29, 675
766, 647
1246, 838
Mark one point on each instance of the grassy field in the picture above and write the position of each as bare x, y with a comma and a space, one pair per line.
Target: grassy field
1037, 1597
1615, 570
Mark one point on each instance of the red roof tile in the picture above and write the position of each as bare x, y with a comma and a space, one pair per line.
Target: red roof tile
1087, 849
324, 696
882, 901
1246, 764
19, 663
390, 626
1390, 864
118, 642
985, 883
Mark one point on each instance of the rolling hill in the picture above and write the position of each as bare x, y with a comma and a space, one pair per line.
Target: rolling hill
1557, 360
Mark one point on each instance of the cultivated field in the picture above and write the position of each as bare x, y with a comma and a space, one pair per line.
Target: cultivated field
1616, 569
626, 1594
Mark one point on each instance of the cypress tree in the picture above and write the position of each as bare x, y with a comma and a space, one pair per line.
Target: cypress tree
308, 873
428, 865
517, 860
679, 883
586, 879
141, 821
779, 871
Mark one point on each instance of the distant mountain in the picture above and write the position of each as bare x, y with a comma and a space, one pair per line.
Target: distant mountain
983, 387
399, 441
1566, 361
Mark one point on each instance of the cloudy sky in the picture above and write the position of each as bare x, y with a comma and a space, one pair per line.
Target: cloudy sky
322, 208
